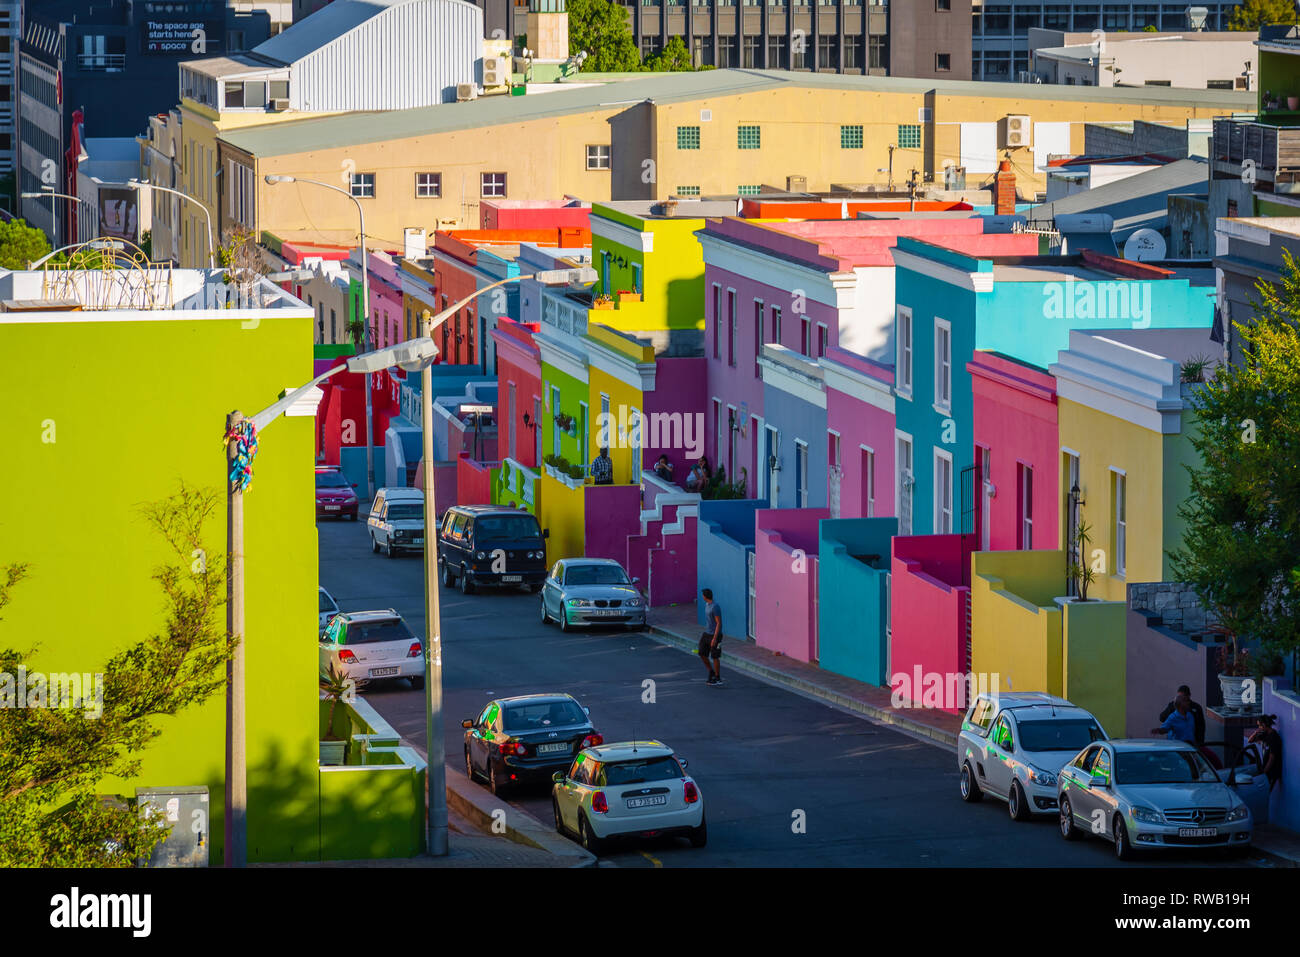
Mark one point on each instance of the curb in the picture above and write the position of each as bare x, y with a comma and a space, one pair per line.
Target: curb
478, 807
774, 676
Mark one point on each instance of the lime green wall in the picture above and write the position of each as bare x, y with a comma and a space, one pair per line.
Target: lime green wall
1094, 650
137, 407
1279, 74
573, 392
1015, 625
1179, 455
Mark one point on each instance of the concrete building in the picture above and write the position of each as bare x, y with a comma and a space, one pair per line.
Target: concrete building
10, 35
1248, 250
110, 208
1192, 60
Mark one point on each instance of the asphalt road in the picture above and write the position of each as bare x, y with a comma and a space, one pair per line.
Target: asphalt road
764, 757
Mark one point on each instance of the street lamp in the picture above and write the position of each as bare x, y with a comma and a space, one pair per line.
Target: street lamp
436, 776
241, 432
273, 179
78, 199
139, 185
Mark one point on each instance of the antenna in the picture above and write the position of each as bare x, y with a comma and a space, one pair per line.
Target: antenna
634, 739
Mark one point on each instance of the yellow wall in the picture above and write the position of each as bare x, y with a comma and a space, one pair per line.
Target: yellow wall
1105, 442
563, 511
620, 393
1015, 627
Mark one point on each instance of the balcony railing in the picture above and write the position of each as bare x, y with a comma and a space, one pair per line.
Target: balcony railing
1270, 153
106, 62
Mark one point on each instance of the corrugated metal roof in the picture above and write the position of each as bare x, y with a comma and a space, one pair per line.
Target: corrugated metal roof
355, 128
324, 26
1135, 201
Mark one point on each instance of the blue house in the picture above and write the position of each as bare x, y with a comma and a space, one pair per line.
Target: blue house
794, 440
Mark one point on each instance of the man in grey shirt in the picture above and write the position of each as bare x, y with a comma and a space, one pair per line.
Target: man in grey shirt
711, 640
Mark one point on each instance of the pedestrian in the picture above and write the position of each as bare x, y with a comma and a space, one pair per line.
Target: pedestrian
602, 469
664, 468
1198, 715
1267, 737
711, 639
1179, 725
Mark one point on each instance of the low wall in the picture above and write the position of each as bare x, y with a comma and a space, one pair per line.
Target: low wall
611, 513
562, 512
724, 540
1158, 660
517, 485
1284, 802
785, 580
853, 604
1015, 622
473, 481
1093, 648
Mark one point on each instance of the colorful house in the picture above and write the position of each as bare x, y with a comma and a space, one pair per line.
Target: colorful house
519, 394
793, 446
860, 435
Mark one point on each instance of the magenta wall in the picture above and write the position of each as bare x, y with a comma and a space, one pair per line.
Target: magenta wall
1015, 419
785, 599
666, 562
928, 605
386, 315
680, 387
473, 482
859, 423
611, 514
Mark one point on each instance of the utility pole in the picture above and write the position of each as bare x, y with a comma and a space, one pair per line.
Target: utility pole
236, 803
911, 189
436, 773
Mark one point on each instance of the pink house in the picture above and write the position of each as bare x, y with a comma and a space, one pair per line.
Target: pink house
785, 580
860, 435
1017, 454
387, 323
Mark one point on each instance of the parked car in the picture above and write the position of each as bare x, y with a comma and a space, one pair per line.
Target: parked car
1151, 793
397, 521
526, 738
631, 789
1013, 746
490, 545
366, 645
591, 591
335, 495
328, 609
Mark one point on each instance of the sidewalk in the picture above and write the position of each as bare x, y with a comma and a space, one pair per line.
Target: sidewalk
677, 625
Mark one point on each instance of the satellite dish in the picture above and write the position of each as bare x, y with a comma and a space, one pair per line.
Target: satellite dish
1145, 245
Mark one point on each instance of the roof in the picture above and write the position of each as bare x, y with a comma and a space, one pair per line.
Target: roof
1178, 344
486, 509
398, 491
378, 614
1081, 52
1023, 699
1133, 202
1043, 712
537, 698
592, 561
306, 135
627, 750
324, 26
1149, 744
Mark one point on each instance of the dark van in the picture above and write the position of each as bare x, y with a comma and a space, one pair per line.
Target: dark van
490, 545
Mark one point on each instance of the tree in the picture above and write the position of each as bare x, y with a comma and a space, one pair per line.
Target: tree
21, 244
673, 58
601, 28
54, 755
241, 257
1253, 14
1242, 539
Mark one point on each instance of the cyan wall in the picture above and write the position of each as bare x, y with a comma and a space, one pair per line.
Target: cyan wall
725, 537
853, 606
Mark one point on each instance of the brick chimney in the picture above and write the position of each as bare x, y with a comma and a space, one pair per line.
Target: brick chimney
1004, 190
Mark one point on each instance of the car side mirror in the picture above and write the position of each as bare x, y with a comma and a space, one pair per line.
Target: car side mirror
684, 763
586, 710
636, 581
467, 723
558, 777
1239, 779
546, 533
1100, 781
354, 484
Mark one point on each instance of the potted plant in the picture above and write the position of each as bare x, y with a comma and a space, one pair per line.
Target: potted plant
576, 472
602, 302
1293, 102
1234, 669
1080, 570
335, 686
627, 295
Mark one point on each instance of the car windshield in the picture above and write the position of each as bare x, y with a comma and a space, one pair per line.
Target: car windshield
594, 575
332, 480
326, 604
1162, 767
412, 512
642, 771
545, 714
367, 632
1063, 735
506, 527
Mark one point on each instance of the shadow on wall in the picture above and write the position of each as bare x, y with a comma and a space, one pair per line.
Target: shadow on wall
724, 546
853, 597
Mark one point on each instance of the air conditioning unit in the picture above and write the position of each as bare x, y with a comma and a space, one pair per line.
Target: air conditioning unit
954, 177
466, 91
495, 71
279, 104
796, 184
1241, 82
706, 116
1016, 132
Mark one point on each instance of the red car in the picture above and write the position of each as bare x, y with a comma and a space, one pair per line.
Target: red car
335, 495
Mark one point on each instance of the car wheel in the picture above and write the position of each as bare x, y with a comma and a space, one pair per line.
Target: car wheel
469, 768
495, 786
589, 840
352, 517
390, 550
559, 821
1017, 805
466, 586
700, 835
546, 616
417, 682
447, 580
1123, 849
970, 790
374, 545
1068, 830
564, 619
534, 589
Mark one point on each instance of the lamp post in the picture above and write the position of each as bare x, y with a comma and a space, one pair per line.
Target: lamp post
273, 179
436, 777
139, 185
411, 356
77, 199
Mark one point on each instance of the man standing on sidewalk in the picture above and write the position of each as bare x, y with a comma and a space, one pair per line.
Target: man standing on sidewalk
711, 640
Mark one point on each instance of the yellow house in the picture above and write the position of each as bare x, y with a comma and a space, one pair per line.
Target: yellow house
621, 369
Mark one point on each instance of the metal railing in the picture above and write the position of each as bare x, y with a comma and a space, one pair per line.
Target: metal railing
1271, 152
108, 62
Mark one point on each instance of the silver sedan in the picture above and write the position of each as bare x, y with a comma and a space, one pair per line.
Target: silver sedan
591, 591
1143, 793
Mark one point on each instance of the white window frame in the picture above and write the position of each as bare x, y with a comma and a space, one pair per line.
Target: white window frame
904, 347
429, 190
943, 493
483, 185
823, 335
598, 161
634, 441
1119, 507
1025, 482
903, 438
760, 319
942, 366
357, 186
801, 473
869, 506
733, 323
731, 442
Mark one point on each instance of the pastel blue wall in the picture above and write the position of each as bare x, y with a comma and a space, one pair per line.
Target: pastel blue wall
853, 603
352, 460
795, 418
725, 537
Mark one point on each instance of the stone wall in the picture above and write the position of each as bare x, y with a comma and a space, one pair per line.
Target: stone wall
1176, 604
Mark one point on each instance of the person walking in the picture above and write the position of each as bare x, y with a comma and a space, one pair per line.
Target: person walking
1179, 725
711, 640
1198, 715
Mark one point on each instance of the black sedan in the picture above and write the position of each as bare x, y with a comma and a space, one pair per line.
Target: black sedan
526, 738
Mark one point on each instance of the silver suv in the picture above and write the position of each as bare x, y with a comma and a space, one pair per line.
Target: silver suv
396, 521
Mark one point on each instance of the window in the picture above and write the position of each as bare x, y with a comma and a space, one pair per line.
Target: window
1219, 85
726, 44
805, 336
827, 58
853, 53
493, 185
943, 4
731, 327
909, 136
776, 53
903, 339
636, 278
876, 53
1002, 735
776, 324
1025, 500
688, 191
751, 50
363, 185
868, 482
903, 482
717, 319
823, 339
800, 473
428, 185
688, 137
758, 337
942, 492
850, 137
1120, 485
750, 190
942, 364
598, 157
942, 62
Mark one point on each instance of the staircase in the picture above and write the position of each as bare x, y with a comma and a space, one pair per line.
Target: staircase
663, 555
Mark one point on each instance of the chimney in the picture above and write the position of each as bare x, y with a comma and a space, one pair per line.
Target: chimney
1004, 190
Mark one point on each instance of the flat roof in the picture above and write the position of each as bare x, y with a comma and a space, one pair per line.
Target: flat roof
327, 132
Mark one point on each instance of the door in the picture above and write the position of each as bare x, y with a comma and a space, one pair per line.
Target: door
986, 503
773, 465
1083, 801
905, 486
801, 474
510, 411
999, 749
480, 736
750, 565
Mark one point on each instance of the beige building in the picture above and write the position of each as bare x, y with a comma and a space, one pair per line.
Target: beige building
1194, 60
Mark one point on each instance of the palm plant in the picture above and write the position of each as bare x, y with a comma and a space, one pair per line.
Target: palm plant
1080, 570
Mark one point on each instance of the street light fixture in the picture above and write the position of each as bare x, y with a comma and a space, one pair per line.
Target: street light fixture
412, 356
139, 185
274, 179
78, 199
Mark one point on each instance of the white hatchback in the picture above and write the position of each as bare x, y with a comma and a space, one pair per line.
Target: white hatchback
369, 645
633, 789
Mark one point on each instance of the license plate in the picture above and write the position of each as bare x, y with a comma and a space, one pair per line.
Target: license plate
512, 578
1198, 832
647, 801
383, 672
552, 748
332, 508
602, 612
417, 541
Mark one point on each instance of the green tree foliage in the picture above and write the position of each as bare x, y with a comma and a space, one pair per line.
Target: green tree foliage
601, 28
53, 759
1242, 539
21, 244
673, 58
1253, 14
